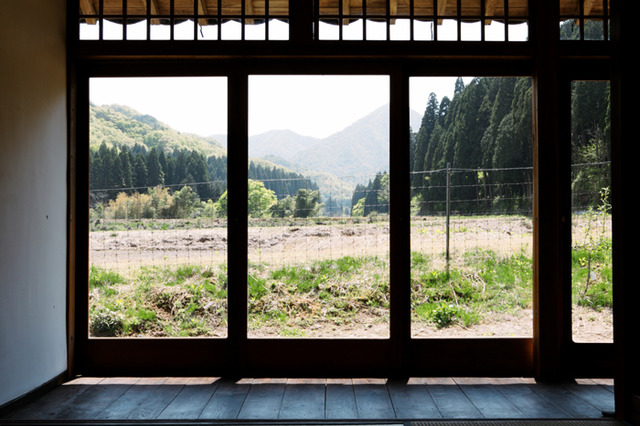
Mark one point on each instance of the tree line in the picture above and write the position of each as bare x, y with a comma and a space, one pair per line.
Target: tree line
149, 183
118, 169
482, 139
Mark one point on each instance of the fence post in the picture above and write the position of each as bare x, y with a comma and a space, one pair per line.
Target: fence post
448, 214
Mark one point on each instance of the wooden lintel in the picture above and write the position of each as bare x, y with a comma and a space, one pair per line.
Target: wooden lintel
87, 8
489, 10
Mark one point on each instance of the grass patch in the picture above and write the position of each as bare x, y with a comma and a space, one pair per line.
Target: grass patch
191, 300
484, 283
159, 301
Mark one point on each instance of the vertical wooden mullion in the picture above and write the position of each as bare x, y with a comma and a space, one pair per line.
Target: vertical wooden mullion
506, 20
243, 19
364, 19
411, 20
219, 11
459, 18
124, 19
237, 178
148, 23
626, 292
300, 21
101, 19
195, 19
388, 19
605, 20
483, 19
399, 217
550, 227
266, 20
341, 19
172, 22
435, 20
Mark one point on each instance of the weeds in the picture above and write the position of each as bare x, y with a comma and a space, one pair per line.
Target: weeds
484, 283
350, 291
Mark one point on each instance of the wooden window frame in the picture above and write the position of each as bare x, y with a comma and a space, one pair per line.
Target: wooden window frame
550, 63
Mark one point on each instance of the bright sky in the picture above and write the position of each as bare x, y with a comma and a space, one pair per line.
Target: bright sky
309, 105
312, 106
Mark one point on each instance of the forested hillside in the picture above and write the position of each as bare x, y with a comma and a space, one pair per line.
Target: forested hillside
477, 144
131, 152
118, 125
482, 138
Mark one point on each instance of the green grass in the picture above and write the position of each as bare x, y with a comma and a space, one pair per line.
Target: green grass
592, 275
159, 301
191, 300
484, 283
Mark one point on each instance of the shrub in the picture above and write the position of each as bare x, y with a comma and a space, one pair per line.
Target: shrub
105, 322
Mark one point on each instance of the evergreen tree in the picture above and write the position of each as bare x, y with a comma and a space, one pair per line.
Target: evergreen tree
155, 174
306, 203
127, 168
140, 171
429, 121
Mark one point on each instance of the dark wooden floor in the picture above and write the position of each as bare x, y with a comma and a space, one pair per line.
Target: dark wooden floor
317, 399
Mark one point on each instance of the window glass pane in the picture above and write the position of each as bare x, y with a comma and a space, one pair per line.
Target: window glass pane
588, 20
471, 225
137, 29
157, 237
112, 30
318, 206
591, 205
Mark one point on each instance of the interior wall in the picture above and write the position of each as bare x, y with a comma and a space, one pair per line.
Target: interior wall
33, 195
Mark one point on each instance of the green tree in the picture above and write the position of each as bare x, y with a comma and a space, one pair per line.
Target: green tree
358, 208
429, 121
284, 207
155, 174
184, 202
307, 203
140, 176
260, 199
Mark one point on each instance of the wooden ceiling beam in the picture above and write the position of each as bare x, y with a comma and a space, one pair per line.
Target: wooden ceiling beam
346, 10
87, 8
489, 10
441, 9
202, 10
393, 9
248, 10
152, 7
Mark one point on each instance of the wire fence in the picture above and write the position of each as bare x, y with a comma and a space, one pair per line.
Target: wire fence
451, 209
335, 236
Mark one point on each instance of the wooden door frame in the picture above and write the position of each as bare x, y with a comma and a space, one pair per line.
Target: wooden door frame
547, 355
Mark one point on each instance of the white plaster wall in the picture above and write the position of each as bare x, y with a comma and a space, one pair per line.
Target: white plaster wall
33, 194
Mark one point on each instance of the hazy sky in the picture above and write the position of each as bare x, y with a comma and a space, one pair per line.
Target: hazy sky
310, 105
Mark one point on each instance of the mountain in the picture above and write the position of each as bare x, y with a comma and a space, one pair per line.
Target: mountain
122, 125
354, 154
284, 144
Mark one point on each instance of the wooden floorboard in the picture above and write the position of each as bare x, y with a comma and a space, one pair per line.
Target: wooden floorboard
247, 400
